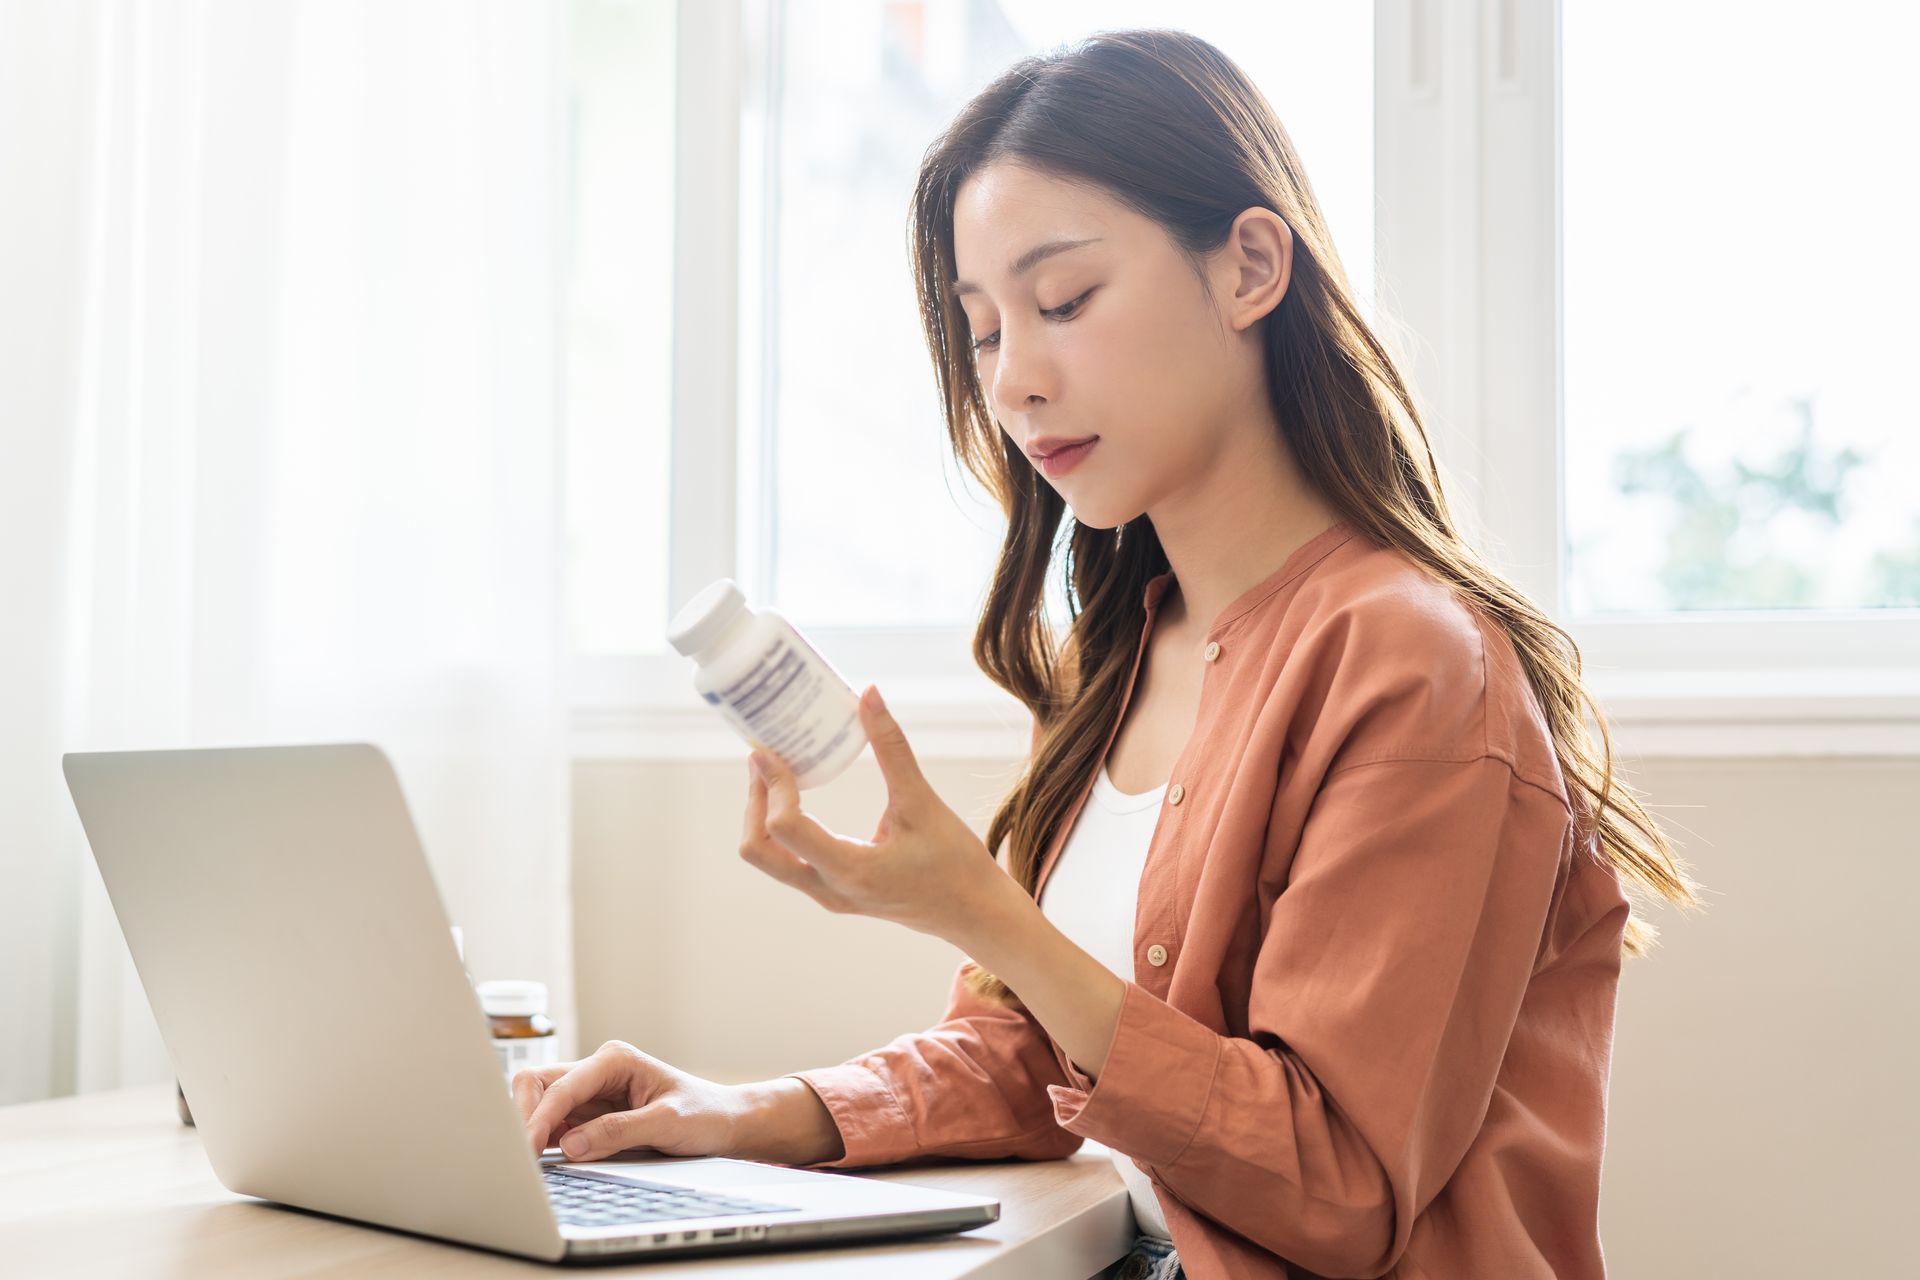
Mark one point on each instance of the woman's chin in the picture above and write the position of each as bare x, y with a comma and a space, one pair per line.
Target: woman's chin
1098, 513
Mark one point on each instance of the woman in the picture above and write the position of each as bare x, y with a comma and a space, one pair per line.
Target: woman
1329, 963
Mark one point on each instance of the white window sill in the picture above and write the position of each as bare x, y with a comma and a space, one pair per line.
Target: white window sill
1760, 711
1739, 712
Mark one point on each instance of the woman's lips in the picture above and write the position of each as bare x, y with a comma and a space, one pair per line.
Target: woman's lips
1058, 464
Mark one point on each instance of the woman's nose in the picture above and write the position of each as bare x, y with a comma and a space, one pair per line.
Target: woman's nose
1021, 376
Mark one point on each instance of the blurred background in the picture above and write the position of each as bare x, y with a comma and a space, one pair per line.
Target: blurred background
392, 371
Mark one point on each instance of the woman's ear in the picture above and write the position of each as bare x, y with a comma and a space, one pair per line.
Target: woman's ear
1257, 264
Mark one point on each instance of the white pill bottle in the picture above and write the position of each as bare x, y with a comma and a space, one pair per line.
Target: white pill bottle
776, 690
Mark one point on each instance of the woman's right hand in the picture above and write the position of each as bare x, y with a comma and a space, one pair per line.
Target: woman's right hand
620, 1098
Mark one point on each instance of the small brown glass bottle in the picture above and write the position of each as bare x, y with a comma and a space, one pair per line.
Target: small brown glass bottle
523, 1035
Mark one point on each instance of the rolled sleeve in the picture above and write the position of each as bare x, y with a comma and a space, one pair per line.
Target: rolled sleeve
970, 1087
874, 1128
1152, 1092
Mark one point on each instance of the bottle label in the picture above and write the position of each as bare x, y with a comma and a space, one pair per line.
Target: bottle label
526, 1051
776, 705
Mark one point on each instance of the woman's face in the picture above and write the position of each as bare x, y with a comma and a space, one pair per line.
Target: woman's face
1114, 339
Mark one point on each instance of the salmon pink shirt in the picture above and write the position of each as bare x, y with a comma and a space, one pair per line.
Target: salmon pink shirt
1371, 1014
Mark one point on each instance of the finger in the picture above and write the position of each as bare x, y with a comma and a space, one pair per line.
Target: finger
897, 763
783, 865
578, 1084
791, 825
527, 1086
580, 1115
604, 1136
770, 855
755, 822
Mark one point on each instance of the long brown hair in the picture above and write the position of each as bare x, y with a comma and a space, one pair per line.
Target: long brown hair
1171, 128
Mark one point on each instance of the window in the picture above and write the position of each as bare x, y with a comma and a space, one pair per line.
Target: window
1739, 324
619, 322
1640, 262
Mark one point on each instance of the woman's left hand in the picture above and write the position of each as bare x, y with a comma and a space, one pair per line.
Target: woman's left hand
924, 867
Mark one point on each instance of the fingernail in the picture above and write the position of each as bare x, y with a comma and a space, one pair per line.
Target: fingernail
574, 1144
879, 703
759, 769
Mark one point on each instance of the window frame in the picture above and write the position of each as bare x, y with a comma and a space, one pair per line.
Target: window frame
1466, 155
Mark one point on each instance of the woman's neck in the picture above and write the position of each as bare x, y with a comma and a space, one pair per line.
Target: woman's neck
1237, 525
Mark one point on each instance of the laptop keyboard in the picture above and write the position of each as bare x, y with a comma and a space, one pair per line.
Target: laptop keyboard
602, 1202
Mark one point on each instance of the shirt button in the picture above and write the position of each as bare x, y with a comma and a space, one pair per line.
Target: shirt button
1213, 650
1176, 793
1156, 955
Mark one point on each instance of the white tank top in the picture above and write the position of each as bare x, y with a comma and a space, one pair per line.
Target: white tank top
1091, 895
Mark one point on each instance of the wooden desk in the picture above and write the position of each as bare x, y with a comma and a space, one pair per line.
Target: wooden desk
112, 1184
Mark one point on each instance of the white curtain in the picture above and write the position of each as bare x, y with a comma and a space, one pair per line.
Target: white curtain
278, 405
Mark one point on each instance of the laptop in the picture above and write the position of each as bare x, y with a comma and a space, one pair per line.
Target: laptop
287, 930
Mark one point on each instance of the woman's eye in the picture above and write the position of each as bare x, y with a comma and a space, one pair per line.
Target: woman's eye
1062, 312
1066, 308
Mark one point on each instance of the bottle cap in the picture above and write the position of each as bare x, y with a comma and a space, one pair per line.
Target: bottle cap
507, 998
706, 617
